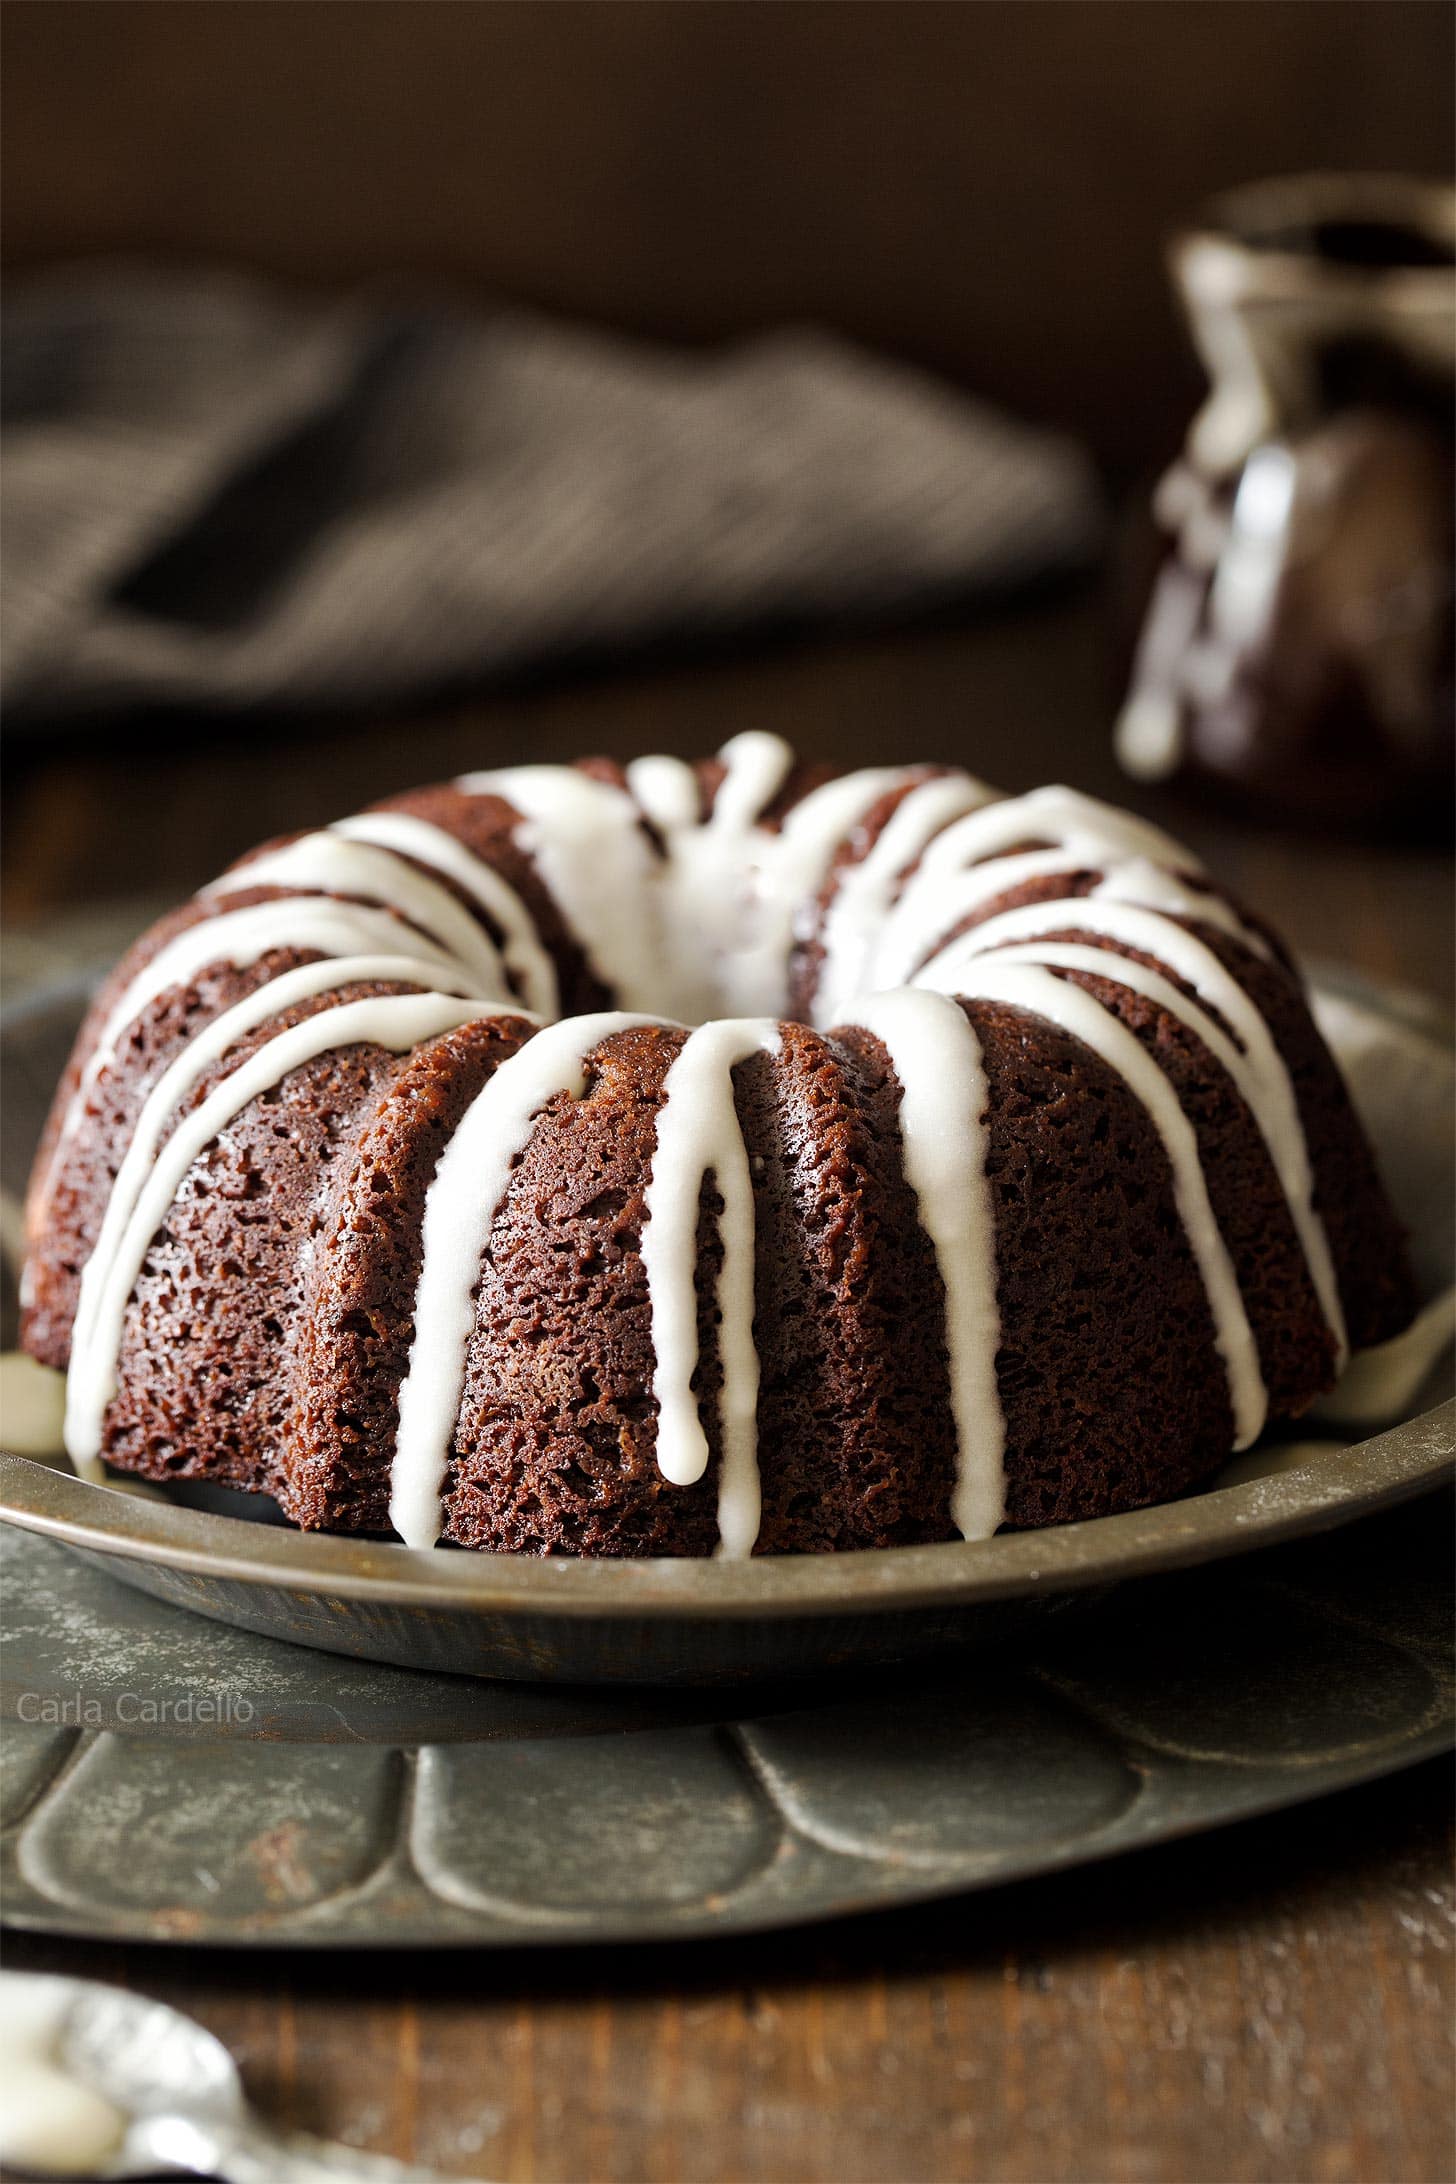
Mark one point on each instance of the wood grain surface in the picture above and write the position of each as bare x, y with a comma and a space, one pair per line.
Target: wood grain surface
1273, 2002
987, 189
1020, 697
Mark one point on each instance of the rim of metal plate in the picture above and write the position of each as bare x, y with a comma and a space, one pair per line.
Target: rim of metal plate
1331, 1490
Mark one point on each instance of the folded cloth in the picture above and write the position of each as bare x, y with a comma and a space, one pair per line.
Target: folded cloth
218, 495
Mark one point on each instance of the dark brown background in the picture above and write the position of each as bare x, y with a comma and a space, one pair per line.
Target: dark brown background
983, 187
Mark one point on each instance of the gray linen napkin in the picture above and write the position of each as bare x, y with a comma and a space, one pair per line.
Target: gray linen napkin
216, 494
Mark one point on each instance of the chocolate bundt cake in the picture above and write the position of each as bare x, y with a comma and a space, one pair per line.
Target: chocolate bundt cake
1004, 1177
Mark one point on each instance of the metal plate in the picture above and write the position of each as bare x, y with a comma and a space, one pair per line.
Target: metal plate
670, 1622
262, 1795
655, 1621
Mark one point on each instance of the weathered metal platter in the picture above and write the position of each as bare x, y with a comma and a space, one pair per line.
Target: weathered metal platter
170, 1781
665, 1622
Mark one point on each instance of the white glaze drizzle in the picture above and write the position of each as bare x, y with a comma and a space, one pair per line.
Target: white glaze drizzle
937, 1057
597, 861
435, 924
666, 790
1152, 932
1277, 1120
311, 923
331, 865
699, 1134
314, 924
1091, 830
182, 1077
980, 856
717, 904
779, 873
1027, 986
532, 971
1151, 886
861, 902
1183, 953
731, 887
461, 1204
755, 767
908, 942
394, 1021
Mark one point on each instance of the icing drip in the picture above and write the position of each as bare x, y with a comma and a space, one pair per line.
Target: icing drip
936, 1056
311, 924
186, 1073
329, 864
771, 876
396, 1022
1093, 832
1139, 880
910, 940
787, 870
598, 862
1027, 986
755, 768
986, 853
730, 886
360, 857
1277, 1121
717, 905
1264, 1079
464, 1196
698, 1135
862, 899
240, 937
666, 790
532, 972
1149, 931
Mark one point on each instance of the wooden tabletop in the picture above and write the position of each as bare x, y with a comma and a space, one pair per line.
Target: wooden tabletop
1021, 696
1271, 2002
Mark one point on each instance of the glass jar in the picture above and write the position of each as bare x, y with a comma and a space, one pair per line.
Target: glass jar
1297, 646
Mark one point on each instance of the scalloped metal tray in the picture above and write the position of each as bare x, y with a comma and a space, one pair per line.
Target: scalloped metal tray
266, 1796
657, 1621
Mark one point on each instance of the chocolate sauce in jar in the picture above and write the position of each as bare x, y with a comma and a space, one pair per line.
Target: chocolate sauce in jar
1297, 646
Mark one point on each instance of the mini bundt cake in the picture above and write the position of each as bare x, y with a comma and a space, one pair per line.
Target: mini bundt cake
1004, 1177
